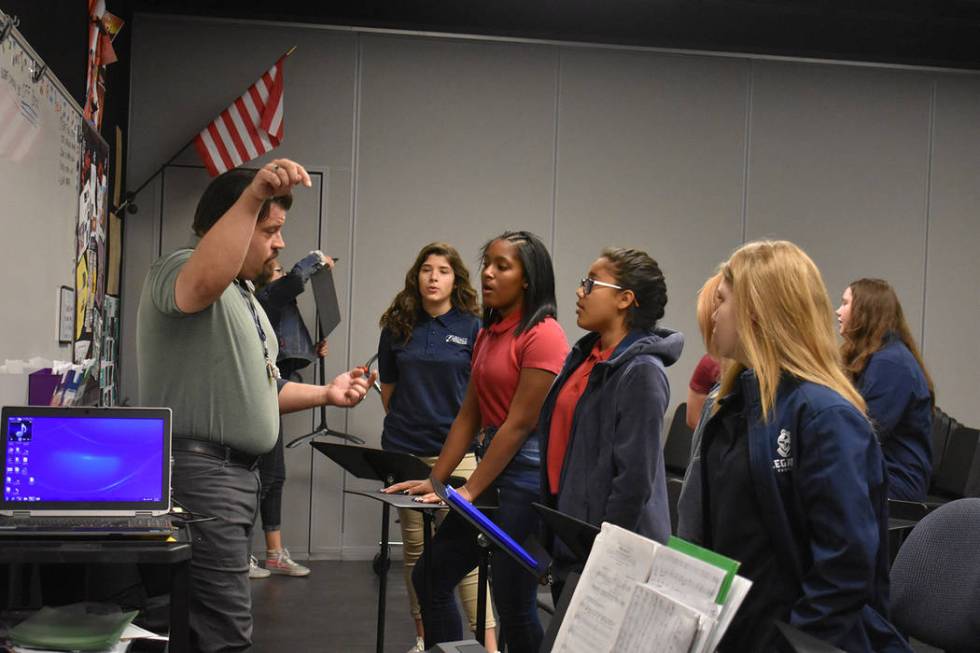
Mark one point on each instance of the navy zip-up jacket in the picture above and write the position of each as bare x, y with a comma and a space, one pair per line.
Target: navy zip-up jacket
900, 408
614, 466
820, 482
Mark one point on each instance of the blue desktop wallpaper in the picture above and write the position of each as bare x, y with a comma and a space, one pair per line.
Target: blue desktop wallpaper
83, 459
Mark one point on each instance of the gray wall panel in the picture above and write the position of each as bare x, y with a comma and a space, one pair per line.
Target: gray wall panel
952, 351
650, 155
839, 164
455, 143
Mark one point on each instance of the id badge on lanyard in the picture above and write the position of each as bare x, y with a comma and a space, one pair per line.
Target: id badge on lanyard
271, 369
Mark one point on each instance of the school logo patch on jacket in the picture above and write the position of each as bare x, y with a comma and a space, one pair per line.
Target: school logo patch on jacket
784, 447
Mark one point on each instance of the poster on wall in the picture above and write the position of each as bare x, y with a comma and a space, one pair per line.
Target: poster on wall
110, 352
90, 246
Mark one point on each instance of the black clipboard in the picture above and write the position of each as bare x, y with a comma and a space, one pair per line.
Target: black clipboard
325, 296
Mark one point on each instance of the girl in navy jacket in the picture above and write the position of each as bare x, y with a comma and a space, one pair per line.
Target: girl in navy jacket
793, 479
884, 362
600, 425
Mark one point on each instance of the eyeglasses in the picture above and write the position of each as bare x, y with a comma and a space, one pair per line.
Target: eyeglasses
588, 283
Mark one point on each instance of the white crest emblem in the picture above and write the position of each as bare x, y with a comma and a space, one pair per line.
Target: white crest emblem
783, 443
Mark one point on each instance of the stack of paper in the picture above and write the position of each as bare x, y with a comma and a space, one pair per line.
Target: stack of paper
77, 627
636, 594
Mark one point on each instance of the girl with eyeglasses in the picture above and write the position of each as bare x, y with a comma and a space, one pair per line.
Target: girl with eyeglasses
601, 453
884, 362
517, 354
793, 478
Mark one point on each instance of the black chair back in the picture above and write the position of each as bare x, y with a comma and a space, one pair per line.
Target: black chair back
677, 448
952, 476
935, 579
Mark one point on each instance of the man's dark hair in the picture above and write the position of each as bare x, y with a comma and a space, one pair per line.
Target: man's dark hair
223, 191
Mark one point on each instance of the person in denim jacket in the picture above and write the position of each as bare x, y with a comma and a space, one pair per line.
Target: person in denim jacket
277, 294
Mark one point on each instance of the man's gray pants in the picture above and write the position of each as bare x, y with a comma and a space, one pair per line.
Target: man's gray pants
221, 600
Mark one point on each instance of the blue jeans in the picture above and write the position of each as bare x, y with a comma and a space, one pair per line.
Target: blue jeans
455, 553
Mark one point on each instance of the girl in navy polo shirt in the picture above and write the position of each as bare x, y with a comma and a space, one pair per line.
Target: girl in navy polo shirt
793, 478
518, 353
427, 338
885, 364
600, 427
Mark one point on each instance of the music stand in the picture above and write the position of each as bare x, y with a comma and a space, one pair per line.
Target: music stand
322, 428
537, 563
388, 467
560, 609
574, 533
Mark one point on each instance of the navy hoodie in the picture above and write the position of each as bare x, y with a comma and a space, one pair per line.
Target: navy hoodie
900, 408
614, 466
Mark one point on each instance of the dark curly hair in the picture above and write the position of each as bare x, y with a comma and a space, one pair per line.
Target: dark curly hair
403, 314
636, 271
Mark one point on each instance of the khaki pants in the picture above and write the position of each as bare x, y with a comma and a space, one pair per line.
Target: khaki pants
412, 538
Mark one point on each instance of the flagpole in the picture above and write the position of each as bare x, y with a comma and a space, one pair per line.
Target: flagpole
131, 195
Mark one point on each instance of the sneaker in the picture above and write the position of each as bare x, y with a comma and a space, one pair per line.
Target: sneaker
419, 646
279, 562
255, 571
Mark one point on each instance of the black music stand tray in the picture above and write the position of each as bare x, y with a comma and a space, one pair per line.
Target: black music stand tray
536, 562
388, 467
574, 533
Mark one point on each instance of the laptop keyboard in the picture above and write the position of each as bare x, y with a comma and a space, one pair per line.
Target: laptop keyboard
86, 523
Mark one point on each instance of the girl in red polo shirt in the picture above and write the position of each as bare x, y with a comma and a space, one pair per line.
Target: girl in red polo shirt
601, 456
517, 355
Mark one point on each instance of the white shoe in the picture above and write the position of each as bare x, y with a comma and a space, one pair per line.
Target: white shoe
279, 562
255, 571
419, 646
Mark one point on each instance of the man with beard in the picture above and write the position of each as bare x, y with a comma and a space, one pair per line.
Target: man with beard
207, 350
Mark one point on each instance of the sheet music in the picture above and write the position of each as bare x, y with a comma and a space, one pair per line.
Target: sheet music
635, 594
689, 580
736, 594
619, 560
655, 619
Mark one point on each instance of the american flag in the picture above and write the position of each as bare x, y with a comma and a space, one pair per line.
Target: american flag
247, 129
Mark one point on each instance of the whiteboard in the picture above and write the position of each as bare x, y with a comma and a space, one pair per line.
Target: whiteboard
40, 127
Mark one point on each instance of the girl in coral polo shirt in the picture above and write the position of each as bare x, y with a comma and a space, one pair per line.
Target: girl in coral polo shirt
517, 355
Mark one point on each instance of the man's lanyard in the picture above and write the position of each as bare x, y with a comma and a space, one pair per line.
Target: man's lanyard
245, 288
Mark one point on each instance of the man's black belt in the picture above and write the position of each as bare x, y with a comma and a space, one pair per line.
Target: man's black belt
215, 450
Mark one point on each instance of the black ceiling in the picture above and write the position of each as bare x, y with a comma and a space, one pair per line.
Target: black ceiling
918, 32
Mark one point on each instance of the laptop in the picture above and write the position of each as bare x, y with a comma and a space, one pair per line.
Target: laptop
85, 472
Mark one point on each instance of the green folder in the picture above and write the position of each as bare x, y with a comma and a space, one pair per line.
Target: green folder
707, 555
71, 628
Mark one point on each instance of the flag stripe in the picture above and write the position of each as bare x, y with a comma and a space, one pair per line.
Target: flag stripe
236, 136
202, 151
246, 129
227, 143
225, 161
262, 140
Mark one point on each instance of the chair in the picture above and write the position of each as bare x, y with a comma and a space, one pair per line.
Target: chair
942, 426
677, 445
935, 580
953, 475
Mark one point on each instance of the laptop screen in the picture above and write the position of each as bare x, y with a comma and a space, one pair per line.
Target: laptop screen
86, 459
